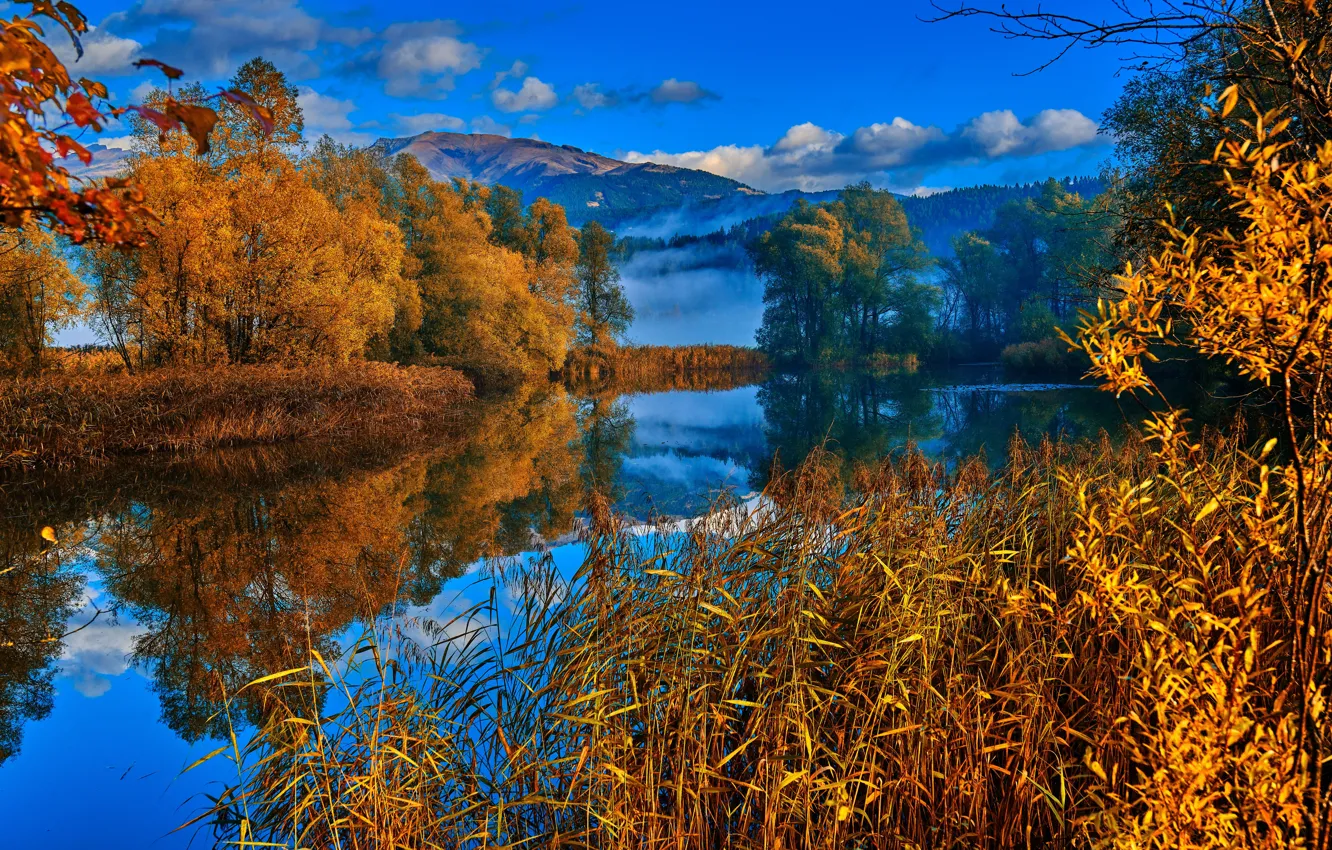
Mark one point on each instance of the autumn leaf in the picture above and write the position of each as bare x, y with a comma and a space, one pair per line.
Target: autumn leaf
167, 70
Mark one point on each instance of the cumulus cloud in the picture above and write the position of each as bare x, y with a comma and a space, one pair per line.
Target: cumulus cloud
533, 96
515, 71
1000, 133
422, 59
104, 53
812, 158
208, 38
331, 116
486, 124
680, 91
426, 122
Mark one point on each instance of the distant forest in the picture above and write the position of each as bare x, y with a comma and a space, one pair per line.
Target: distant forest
938, 217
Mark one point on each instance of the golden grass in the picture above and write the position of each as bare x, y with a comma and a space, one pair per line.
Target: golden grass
65, 419
932, 660
659, 368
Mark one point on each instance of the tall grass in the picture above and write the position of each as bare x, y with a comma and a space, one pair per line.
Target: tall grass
934, 659
657, 368
65, 419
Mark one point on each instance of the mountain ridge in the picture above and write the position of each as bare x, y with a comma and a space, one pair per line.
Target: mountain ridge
588, 185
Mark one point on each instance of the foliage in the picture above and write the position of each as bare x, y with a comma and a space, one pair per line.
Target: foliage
38, 294
841, 281
1041, 258
604, 313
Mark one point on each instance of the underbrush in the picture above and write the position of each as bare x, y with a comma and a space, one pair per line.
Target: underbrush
66, 419
1046, 357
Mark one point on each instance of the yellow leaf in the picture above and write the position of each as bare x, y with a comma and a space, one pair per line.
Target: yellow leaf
48, 533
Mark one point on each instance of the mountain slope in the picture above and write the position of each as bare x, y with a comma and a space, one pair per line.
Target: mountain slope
587, 185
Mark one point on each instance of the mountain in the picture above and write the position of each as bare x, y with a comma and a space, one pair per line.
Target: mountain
587, 185
106, 162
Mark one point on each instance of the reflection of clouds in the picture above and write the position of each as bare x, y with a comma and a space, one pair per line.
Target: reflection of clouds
695, 410
685, 469
95, 655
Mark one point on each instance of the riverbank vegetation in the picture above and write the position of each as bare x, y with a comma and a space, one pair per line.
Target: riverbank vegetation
70, 419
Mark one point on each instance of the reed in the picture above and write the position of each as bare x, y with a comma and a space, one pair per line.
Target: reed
933, 659
658, 368
67, 419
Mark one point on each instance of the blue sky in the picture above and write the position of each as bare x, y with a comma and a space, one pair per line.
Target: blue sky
777, 95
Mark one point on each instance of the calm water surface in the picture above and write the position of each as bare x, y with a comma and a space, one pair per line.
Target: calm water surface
180, 582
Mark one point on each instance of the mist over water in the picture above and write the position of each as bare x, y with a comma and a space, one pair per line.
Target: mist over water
691, 295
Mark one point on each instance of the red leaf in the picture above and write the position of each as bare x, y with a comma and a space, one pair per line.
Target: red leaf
170, 72
260, 113
164, 122
197, 120
81, 111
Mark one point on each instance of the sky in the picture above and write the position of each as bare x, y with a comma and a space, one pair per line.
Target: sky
780, 96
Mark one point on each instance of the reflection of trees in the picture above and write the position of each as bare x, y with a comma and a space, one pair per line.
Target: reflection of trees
516, 475
236, 564
860, 416
606, 429
38, 594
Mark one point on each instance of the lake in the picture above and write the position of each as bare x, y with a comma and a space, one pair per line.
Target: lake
175, 582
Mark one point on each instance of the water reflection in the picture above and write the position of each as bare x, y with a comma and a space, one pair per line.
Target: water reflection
189, 579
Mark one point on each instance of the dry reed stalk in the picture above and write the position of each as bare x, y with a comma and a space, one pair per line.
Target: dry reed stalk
61, 420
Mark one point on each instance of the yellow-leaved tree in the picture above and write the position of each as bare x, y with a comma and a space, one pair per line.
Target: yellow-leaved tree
38, 294
251, 262
1213, 571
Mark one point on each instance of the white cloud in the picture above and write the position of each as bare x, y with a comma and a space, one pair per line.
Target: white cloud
210, 39
533, 96
515, 71
117, 143
331, 116
813, 158
486, 124
422, 59
590, 96
680, 91
426, 122
104, 53
1000, 133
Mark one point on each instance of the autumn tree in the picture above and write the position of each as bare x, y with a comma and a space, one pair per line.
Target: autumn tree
38, 294
487, 307
604, 313
251, 261
800, 260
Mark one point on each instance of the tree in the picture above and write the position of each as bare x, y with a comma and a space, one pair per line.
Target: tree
251, 261
881, 257
485, 306
800, 260
38, 294
604, 313
973, 275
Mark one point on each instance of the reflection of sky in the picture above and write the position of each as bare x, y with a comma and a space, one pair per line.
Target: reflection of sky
688, 446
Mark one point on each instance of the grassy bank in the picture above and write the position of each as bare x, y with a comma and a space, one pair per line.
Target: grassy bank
66, 419
656, 368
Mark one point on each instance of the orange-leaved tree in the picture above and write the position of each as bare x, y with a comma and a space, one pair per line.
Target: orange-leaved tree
35, 186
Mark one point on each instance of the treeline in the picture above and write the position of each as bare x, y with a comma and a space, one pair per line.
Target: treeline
850, 281
264, 251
